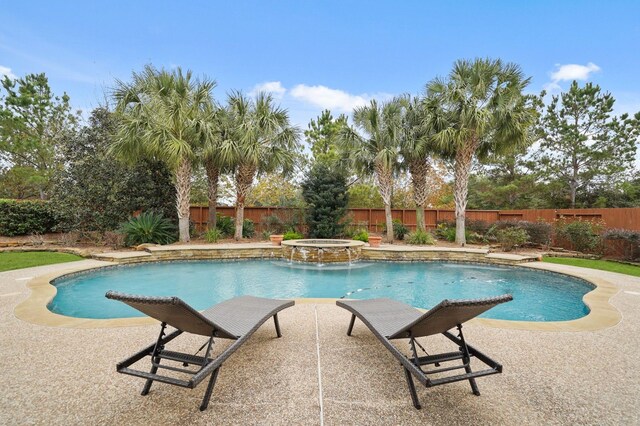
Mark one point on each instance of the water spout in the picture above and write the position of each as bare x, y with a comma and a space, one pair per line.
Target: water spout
349, 254
320, 251
293, 250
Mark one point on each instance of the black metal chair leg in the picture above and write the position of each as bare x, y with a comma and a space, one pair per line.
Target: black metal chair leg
207, 393
353, 320
147, 385
466, 359
155, 359
412, 389
275, 320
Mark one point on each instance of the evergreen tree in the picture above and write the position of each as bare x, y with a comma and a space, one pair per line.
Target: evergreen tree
325, 192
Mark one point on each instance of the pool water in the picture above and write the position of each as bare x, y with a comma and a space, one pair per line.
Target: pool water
537, 296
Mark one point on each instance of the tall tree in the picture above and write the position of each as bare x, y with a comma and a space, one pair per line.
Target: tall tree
322, 136
416, 149
479, 110
261, 141
33, 123
325, 192
581, 142
95, 192
377, 152
161, 115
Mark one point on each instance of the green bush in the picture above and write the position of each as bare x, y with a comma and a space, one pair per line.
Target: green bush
225, 225
149, 227
539, 232
399, 230
26, 217
361, 235
447, 231
248, 228
420, 238
212, 235
509, 238
325, 192
583, 235
292, 235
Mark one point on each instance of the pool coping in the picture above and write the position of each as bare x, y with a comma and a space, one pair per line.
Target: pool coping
602, 314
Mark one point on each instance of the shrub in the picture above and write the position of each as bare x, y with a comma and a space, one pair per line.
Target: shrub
539, 232
630, 241
583, 235
325, 192
112, 239
248, 228
478, 226
509, 238
399, 230
445, 231
420, 238
225, 225
361, 235
273, 225
292, 235
26, 217
149, 227
212, 235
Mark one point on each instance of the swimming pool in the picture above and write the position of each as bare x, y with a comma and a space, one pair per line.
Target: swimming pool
538, 296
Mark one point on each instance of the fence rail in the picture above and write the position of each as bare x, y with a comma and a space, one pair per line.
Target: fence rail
373, 219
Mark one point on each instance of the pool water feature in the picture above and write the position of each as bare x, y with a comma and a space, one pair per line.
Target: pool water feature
321, 251
538, 295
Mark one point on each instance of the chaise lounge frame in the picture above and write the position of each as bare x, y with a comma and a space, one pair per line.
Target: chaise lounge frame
236, 319
390, 320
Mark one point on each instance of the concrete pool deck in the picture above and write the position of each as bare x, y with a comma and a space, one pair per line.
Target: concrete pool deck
316, 374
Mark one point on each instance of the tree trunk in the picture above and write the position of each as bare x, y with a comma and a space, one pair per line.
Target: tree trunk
420, 225
385, 186
244, 180
213, 175
464, 158
419, 170
183, 190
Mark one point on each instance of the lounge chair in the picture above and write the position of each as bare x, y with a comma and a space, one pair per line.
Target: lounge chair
390, 320
236, 319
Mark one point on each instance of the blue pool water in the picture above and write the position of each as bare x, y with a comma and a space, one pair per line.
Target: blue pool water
537, 296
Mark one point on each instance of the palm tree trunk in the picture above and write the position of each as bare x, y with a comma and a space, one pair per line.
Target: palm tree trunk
213, 176
464, 158
419, 170
385, 186
183, 190
244, 180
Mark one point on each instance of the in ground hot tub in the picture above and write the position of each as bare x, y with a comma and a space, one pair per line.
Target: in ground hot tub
322, 251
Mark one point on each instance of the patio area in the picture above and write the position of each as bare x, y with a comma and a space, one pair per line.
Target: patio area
316, 374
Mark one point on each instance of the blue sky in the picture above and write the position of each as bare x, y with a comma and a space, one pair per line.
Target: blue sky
320, 54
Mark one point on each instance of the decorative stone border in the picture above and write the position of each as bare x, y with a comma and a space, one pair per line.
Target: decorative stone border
602, 314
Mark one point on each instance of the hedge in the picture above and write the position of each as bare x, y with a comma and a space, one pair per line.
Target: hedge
26, 217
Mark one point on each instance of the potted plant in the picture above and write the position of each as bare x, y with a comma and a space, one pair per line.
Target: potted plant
276, 239
374, 240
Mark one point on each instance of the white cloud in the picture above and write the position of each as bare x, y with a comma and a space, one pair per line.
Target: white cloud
570, 72
7, 71
273, 87
333, 99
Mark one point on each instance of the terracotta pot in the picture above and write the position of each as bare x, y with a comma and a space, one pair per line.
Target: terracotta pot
276, 239
374, 241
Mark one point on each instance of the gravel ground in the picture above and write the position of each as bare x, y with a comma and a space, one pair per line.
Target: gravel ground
67, 376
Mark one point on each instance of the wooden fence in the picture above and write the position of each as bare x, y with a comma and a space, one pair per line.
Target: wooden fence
373, 219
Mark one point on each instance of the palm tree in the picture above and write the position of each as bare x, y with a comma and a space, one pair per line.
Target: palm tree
377, 152
261, 140
478, 111
162, 115
218, 130
415, 148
